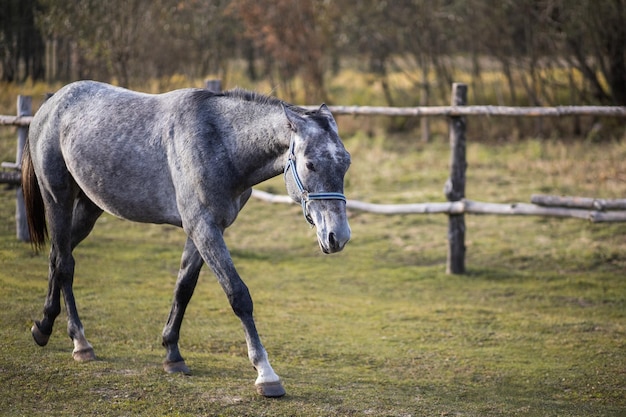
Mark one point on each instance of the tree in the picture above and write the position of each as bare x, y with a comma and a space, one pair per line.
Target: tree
204, 35
107, 32
372, 33
292, 34
594, 33
21, 45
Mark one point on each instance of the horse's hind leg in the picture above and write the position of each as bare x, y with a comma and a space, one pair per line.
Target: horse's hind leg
84, 218
190, 266
65, 234
42, 330
61, 264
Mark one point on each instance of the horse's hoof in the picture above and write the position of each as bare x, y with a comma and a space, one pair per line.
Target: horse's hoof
84, 355
270, 389
40, 338
175, 367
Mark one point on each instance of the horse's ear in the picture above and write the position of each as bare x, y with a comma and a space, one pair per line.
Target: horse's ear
293, 118
325, 111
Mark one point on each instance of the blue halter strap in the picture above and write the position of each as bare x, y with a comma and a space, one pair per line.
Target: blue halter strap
306, 196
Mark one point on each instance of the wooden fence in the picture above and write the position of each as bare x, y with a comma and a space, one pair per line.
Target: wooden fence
10, 172
595, 210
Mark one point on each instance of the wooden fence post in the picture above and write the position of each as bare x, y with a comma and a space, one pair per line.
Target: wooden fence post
24, 108
455, 186
214, 86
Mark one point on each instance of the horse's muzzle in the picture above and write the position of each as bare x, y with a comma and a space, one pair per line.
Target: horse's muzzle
334, 241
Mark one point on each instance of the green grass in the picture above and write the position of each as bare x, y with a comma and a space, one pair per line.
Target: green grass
537, 327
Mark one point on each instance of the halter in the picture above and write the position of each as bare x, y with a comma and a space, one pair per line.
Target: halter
305, 196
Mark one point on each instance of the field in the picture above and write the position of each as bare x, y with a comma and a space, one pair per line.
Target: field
537, 327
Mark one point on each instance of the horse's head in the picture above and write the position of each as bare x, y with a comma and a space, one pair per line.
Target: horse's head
314, 174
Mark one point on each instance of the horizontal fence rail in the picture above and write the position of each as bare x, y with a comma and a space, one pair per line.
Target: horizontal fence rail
433, 111
489, 111
594, 210
20, 121
593, 214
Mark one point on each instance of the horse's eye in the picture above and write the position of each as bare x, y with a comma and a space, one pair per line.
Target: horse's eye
310, 166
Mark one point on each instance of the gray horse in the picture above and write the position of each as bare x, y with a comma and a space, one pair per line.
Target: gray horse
187, 158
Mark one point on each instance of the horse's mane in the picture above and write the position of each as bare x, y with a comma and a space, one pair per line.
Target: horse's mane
251, 96
246, 95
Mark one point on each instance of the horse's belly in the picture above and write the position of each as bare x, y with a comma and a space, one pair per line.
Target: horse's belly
137, 191
137, 207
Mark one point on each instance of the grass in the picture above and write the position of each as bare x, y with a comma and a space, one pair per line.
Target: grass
535, 328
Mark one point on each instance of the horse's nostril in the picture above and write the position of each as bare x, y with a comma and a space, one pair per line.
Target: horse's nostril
331, 240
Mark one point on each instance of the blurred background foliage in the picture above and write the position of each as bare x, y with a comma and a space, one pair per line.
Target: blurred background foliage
511, 52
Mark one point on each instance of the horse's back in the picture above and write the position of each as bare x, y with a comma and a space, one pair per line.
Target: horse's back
113, 143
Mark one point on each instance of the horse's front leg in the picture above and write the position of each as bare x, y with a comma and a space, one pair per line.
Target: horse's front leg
190, 266
210, 242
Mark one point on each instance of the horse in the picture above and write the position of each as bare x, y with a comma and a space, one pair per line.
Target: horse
187, 158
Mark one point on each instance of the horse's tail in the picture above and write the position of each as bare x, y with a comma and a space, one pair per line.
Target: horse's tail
33, 201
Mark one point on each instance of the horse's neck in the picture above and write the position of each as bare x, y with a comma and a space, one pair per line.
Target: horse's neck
262, 146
